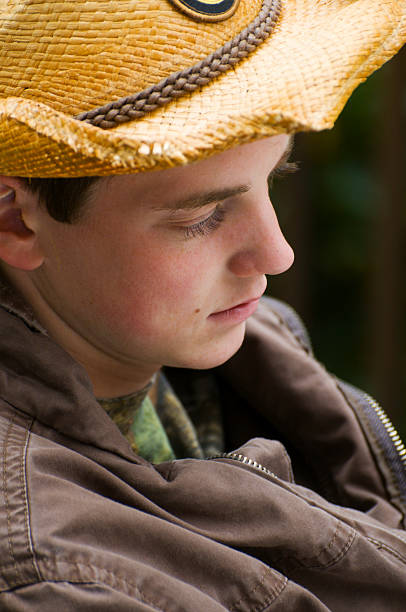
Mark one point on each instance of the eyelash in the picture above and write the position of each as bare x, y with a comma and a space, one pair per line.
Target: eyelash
283, 170
202, 228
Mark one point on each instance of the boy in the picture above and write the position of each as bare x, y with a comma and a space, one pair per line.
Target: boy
111, 273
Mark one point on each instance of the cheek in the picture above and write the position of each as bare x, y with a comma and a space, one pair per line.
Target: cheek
156, 286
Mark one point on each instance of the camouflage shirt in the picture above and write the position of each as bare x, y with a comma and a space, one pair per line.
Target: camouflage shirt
160, 428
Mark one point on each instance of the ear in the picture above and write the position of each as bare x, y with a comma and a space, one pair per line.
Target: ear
19, 243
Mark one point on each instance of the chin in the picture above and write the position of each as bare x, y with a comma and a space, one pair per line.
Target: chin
216, 352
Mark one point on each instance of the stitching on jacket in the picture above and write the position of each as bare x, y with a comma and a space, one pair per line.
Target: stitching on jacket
291, 321
6, 498
26, 565
331, 543
24, 485
322, 551
272, 596
341, 554
115, 579
79, 582
311, 562
389, 549
26, 584
284, 584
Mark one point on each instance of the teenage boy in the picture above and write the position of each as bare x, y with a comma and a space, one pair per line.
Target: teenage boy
120, 486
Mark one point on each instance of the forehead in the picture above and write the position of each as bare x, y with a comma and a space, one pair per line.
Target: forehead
234, 167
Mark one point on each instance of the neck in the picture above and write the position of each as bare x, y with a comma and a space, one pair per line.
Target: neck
110, 375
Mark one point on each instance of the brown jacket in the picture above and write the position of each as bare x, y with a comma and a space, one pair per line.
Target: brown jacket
86, 525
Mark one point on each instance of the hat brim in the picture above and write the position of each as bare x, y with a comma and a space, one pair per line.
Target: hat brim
297, 80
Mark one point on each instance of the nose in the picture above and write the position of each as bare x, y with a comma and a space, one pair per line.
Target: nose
262, 247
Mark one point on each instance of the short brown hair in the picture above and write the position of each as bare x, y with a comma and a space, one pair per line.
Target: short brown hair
63, 197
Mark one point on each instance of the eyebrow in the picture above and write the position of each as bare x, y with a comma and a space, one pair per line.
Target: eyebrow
199, 200
203, 199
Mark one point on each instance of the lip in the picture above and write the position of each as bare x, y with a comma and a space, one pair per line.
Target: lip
238, 313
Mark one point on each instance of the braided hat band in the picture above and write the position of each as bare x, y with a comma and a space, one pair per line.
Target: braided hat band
190, 79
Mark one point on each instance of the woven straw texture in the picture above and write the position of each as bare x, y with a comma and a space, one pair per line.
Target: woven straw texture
59, 59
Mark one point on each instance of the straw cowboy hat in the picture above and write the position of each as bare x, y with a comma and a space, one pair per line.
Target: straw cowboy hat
103, 87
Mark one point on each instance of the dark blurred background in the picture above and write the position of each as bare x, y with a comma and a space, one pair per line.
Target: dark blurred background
345, 215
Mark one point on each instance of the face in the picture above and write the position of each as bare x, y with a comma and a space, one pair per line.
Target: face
164, 268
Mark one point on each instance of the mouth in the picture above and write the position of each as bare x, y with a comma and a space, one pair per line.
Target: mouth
237, 313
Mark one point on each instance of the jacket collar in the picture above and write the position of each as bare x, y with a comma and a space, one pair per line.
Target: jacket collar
12, 301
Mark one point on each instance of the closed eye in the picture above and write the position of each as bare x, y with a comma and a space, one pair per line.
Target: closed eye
207, 225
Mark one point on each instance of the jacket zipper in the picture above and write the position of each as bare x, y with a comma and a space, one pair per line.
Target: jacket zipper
390, 429
385, 434
246, 460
